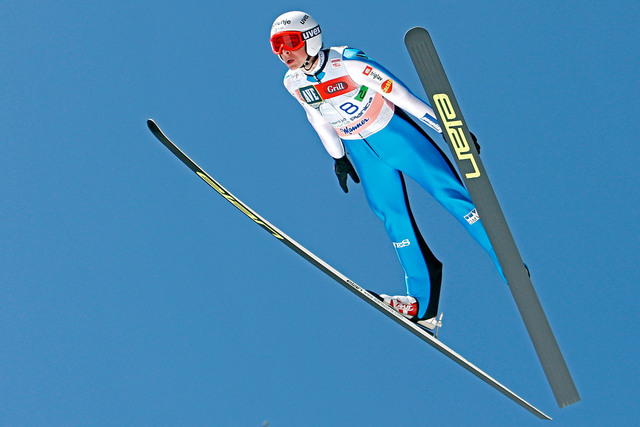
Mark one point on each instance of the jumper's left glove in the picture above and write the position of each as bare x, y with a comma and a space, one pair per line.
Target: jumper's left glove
343, 169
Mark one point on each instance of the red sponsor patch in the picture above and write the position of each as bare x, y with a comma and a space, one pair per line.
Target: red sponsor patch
367, 71
387, 86
335, 87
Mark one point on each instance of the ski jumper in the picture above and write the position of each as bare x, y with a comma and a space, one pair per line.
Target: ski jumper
357, 107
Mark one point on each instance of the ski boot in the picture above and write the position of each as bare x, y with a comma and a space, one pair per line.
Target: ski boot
408, 307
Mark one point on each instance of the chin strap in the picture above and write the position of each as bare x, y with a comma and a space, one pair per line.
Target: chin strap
306, 63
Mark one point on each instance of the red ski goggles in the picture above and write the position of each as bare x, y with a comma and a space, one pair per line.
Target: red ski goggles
289, 40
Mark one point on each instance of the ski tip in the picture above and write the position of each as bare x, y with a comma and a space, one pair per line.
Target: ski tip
152, 125
415, 31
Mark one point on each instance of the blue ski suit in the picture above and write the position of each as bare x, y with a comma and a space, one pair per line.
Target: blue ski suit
357, 107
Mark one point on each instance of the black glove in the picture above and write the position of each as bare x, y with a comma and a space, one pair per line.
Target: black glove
343, 168
475, 141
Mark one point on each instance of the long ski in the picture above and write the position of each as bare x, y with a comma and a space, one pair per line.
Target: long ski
367, 296
438, 89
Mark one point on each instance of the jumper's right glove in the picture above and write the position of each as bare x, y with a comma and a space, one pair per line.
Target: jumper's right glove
343, 169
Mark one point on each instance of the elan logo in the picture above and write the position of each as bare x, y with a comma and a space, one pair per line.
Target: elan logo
454, 128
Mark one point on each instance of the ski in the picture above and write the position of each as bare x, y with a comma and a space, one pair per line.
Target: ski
441, 97
362, 293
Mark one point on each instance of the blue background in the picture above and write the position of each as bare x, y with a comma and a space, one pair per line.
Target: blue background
132, 294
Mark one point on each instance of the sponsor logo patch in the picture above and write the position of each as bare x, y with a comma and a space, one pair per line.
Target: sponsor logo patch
317, 93
361, 93
283, 22
402, 244
348, 130
311, 33
387, 86
368, 71
338, 87
310, 95
472, 217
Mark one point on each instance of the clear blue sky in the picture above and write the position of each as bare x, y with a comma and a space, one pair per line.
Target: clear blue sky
132, 294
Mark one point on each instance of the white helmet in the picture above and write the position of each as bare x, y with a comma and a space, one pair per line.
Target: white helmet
294, 29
